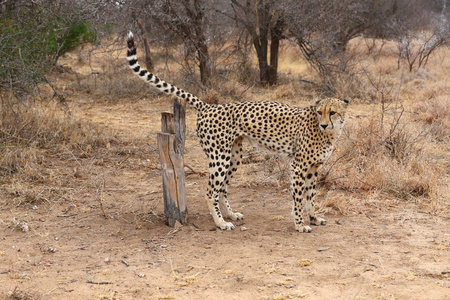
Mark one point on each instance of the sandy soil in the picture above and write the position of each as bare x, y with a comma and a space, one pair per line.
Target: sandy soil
106, 237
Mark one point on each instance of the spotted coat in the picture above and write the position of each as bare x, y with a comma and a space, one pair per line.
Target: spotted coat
305, 134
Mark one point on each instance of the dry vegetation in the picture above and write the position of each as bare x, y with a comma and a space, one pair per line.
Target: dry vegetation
395, 146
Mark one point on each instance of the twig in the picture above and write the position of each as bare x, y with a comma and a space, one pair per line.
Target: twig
101, 205
98, 282
62, 100
125, 263
194, 172
100, 200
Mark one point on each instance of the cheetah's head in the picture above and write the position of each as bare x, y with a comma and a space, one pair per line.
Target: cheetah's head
331, 114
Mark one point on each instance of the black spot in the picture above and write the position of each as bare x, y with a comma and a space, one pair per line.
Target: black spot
142, 73
133, 61
137, 69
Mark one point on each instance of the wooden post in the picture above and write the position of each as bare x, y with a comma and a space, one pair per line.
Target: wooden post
171, 147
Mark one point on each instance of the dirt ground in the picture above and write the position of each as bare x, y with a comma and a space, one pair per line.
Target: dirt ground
109, 240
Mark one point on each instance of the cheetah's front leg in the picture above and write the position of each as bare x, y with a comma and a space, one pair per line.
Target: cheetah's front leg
297, 191
310, 205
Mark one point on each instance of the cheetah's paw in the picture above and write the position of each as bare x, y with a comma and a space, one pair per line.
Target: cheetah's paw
237, 216
226, 226
318, 221
302, 228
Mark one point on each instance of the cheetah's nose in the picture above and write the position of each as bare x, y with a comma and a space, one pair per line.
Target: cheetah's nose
324, 126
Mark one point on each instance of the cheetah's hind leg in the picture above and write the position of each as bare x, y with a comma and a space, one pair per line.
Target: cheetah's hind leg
317, 221
226, 208
310, 207
235, 161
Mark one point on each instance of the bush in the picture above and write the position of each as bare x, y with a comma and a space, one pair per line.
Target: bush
435, 114
32, 38
68, 35
383, 157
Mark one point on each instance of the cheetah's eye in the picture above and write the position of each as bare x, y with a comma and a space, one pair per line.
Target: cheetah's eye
319, 112
332, 113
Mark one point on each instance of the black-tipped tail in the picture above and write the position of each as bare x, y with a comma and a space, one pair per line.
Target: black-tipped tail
156, 82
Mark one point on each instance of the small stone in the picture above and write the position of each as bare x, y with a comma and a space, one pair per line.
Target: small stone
323, 249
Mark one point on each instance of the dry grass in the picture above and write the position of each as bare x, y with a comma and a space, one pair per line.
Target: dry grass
19, 294
45, 150
371, 157
45, 126
434, 113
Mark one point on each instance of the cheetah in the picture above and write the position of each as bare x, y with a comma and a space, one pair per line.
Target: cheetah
305, 134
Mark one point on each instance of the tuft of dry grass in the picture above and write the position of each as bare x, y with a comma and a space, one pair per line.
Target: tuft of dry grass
19, 294
304, 262
111, 83
29, 134
45, 150
375, 157
435, 114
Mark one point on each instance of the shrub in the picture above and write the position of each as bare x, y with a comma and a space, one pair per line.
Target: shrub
435, 114
33, 37
387, 158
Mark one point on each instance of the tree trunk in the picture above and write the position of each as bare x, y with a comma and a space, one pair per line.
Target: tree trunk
198, 17
148, 56
258, 18
268, 70
261, 45
204, 64
192, 28
276, 34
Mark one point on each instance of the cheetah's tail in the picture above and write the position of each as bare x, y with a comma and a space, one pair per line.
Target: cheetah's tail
154, 80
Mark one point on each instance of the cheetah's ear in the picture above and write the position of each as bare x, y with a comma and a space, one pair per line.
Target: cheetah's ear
318, 101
